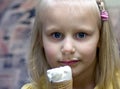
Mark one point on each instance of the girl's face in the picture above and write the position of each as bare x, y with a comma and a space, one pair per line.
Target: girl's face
70, 36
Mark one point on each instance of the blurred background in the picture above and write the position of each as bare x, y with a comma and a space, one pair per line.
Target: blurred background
16, 22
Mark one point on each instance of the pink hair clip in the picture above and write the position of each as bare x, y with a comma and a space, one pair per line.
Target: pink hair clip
103, 12
104, 15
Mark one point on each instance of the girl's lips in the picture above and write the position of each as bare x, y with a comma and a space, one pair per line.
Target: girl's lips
69, 62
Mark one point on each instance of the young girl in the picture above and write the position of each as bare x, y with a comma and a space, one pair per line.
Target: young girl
75, 33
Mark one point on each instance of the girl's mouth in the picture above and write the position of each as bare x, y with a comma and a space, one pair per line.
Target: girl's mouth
69, 62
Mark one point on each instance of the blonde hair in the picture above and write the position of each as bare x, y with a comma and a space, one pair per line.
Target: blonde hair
108, 54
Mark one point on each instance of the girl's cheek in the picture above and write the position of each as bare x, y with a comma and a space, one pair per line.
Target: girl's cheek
51, 59
88, 51
50, 51
50, 55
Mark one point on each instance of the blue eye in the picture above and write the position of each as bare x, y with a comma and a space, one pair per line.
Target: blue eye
80, 35
57, 35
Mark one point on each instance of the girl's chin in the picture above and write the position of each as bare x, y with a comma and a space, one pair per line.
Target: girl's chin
75, 74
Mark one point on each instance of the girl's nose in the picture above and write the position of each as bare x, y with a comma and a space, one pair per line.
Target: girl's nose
68, 48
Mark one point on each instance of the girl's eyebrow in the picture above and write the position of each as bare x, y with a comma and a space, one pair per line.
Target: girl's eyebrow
49, 28
85, 28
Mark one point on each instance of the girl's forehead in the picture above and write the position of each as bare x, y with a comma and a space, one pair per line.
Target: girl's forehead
69, 10
63, 2
68, 5
67, 2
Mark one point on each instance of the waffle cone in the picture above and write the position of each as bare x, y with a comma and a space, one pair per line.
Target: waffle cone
62, 85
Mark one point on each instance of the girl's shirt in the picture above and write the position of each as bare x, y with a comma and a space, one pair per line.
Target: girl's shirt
43, 85
31, 86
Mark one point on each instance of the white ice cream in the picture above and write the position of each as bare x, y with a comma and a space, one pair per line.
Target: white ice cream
59, 74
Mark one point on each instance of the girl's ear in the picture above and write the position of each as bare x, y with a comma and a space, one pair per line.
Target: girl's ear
41, 43
98, 45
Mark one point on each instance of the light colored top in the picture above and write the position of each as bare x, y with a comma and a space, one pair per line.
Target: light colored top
43, 84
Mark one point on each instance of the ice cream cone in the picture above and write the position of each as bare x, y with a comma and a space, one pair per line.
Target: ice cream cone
62, 85
60, 78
